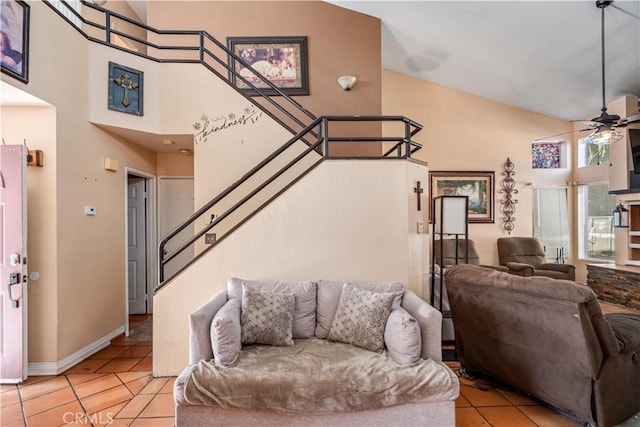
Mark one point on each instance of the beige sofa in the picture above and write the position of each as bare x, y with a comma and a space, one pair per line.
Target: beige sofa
548, 338
200, 402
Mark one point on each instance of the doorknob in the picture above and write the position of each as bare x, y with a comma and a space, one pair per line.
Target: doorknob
14, 259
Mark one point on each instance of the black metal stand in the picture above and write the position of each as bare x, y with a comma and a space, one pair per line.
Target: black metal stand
439, 230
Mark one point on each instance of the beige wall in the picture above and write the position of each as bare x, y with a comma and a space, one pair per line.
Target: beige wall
463, 132
339, 42
340, 233
172, 164
80, 295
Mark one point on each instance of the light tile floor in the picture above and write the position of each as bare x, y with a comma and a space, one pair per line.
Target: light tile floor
115, 387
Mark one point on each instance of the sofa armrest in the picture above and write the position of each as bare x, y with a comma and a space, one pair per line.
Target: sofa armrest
200, 328
520, 268
430, 321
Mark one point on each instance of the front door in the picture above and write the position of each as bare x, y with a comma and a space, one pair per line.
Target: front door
13, 291
137, 244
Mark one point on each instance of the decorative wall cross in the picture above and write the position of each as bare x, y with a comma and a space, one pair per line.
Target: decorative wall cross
419, 190
127, 84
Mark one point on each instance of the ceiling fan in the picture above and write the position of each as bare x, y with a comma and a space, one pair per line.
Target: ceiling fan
604, 127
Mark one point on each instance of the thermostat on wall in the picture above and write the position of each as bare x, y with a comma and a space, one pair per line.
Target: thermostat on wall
89, 210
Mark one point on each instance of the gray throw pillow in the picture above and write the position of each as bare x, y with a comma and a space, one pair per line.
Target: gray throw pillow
304, 312
267, 317
402, 336
329, 292
226, 334
361, 318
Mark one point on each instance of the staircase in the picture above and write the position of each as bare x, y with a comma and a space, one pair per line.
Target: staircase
312, 138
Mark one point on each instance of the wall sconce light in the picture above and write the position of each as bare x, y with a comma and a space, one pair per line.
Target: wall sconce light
347, 82
620, 217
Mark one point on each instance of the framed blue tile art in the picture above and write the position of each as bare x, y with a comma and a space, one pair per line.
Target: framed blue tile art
125, 89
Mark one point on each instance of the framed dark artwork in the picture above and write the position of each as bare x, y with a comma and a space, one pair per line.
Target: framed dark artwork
283, 61
125, 89
14, 39
478, 186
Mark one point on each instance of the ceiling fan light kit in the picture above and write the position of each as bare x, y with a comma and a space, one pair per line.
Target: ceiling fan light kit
604, 127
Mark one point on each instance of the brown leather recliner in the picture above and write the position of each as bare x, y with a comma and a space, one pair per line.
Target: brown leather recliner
549, 339
524, 256
444, 251
449, 256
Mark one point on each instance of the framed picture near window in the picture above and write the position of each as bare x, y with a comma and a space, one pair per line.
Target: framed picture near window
14, 39
478, 186
283, 61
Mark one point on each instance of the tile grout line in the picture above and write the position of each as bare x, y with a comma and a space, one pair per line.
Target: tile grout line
24, 415
78, 399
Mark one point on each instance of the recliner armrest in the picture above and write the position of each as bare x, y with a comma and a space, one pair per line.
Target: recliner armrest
495, 267
520, 268
565, 268
569, 269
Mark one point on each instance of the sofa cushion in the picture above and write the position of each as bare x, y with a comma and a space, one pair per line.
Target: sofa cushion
402, 336
304, 315
361, 317
267, 317
226, 334
329, 296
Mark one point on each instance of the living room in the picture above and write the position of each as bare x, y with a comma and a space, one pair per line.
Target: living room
455, 123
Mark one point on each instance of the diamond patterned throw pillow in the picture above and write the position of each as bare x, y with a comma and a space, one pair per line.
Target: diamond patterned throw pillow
361, 318
267, 318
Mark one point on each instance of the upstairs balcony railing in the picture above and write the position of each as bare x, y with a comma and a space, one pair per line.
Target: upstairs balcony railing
112, 29
313, 138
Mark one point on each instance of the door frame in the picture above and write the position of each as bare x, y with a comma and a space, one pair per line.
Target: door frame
151, 242
24, 271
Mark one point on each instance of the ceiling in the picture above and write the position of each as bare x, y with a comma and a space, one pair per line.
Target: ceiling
543, 56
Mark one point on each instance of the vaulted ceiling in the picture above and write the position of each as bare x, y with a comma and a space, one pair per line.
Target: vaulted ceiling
543, 56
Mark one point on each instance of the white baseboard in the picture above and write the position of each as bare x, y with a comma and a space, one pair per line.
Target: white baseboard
56, 368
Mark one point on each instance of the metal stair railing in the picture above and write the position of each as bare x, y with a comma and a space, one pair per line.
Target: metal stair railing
403, 147
282, 108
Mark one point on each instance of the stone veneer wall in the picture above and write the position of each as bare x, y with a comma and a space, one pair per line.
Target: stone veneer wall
616, 284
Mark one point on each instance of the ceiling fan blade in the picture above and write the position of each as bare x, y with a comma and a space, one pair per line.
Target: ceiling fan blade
547, 138
586, 122
625, 11
628, 120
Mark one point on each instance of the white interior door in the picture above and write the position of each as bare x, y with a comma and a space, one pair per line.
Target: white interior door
137, 279
175, 204
13, 290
